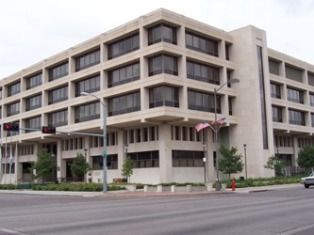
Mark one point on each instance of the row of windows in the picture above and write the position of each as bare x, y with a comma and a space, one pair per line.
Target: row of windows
97, 142
158, 96
161, 32
183, 133
112, 162
283, 141
302, 142
88, 85
73, 144
139, 135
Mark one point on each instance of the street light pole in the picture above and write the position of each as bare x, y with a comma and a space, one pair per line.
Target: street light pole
244, 146
104, 121
216, 128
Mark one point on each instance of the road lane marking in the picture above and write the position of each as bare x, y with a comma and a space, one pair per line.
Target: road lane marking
10, 231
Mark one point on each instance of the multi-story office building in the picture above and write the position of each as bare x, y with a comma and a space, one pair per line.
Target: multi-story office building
157, 74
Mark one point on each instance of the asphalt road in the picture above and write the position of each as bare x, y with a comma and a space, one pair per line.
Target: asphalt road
289, 211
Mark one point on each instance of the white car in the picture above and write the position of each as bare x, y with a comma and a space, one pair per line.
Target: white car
308, 181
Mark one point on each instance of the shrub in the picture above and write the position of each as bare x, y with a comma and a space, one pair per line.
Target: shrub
7, 186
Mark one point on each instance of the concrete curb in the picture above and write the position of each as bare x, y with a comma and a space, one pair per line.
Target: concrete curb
141, 193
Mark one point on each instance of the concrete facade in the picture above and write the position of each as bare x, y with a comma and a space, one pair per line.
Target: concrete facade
167, 129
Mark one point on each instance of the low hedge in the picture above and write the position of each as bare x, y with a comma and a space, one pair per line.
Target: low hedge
7, 186
262, 182
92, 187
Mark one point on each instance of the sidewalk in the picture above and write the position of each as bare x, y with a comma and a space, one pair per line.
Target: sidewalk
140, 193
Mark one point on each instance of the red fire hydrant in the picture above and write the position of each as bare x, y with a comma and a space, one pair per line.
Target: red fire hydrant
233, 184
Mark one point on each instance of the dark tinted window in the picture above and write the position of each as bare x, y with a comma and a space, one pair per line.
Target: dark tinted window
33, 102
123, 46
275, 90
33, 123
202, 101
203, 72
112, 162
124, 74
182, 158
88, 85
59, 118
163, 64
14, 88
33, 81
13, 108
295, 95
162, 32
58, 71
277, 113
163, 96
296, 117
274, 66
87, 112
58, 95
145, 159
124, 104
87, 60
202, 44
294, 73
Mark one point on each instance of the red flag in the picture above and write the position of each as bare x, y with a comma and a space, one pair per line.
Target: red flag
201, 126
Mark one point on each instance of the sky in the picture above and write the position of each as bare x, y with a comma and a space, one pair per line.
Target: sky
33, 30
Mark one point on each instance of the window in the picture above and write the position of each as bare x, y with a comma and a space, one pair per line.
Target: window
33, 123
112, 162
163, 33
162, 64
275, 90
124, 104
87, 60
277, 113
33, 81
123, 46
88, 85
182, 158
58, 118
33, 102
124, 74
145, 159
310, 78
311, 99
230, 106
58, 95
227, 51
202, 44
274, 66
294, 73
13, 108
295, 95
1, 93
203, 72
87, 112
58, 71
202, 101
296, 117
163, 96
14, 88
13, 133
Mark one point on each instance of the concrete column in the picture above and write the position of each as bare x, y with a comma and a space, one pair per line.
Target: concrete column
122, 149
181, 36
45, 76
61, 167
71, 90
182, 67
296, 151
183, 98
143, 68
221, 50
103, 80
143, 38
282, 69
165, 153
144, 98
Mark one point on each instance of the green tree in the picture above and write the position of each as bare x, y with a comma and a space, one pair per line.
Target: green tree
306, 157
45, 165
79, 166
275, 163
230, 162
127, 168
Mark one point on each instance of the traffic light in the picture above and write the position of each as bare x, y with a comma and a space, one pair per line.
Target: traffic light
48, 130
10, 126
